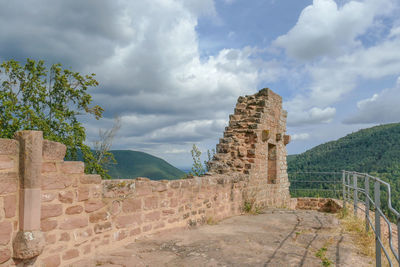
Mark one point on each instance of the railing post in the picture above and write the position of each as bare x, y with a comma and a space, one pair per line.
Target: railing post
367, 203
355, 194
378, 247
344, 188
348, 184
398, 239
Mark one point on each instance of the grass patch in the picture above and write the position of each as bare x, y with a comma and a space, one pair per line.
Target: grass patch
321, 253
211, 221
364, 240
251, 208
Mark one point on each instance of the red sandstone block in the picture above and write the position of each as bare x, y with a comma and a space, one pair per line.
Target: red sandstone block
66, 197
51, 261
172, 220
159, 225
143, 190
147, 228
121, 234
48, 225
175, 184
51, 210
135, 231
5, 232
90, 179
164, 203
55, 181
93, 205
5, 255
168, 212
64, 237
96, 191
132, 205
48, 196
83, 193
98, 216
10, 206
49, 167
152, 216
159, 187
8, 146
123, 221
87, 249
73, 223
102, 227
74, 210
8, 182
53, 150
173, 203
73, 167
50, 239
70, 254
115, 208
6, 162
150, 203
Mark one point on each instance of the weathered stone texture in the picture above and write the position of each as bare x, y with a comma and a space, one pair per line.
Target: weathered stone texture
5, 255
53, 150
254, 144
81, 213
28, 244
5, 232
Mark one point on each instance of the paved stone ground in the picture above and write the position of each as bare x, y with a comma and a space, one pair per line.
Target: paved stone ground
274, 238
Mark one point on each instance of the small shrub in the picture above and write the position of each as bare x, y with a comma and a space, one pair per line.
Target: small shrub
321, 253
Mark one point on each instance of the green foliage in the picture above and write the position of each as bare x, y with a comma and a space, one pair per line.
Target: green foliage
33, 97
197, 168
321, 253
374, 150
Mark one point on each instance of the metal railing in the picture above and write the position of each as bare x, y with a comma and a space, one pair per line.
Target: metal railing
319, 184
356, 189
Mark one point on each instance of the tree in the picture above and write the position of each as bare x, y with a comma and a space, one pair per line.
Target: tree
102, 146
33, 97
197, 168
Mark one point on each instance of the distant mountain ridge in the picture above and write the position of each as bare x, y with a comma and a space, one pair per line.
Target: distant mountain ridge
375, 149
132, 164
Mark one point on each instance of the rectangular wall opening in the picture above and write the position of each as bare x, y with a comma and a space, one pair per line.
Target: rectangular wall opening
272, 160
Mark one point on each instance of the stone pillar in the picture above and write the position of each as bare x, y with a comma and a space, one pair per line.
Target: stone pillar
29, 241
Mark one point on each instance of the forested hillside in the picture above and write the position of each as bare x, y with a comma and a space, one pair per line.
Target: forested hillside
374, 150
132, 164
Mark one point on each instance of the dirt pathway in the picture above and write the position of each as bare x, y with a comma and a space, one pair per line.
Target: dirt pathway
275, 238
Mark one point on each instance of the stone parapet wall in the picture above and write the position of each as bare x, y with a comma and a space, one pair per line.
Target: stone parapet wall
80, 214
53, 214
9, 197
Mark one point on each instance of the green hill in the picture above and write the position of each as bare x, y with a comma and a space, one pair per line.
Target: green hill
132, 164
374, 150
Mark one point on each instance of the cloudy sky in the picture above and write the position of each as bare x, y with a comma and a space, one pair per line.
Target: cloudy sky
173, 69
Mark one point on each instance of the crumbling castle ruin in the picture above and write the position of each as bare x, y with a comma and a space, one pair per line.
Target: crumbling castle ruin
52, 214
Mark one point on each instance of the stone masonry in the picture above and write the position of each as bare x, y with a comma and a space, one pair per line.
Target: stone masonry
254, 144
53, 214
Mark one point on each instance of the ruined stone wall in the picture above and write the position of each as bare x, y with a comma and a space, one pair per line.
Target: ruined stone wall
254, 143
9, 184
52, 214
80, 214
